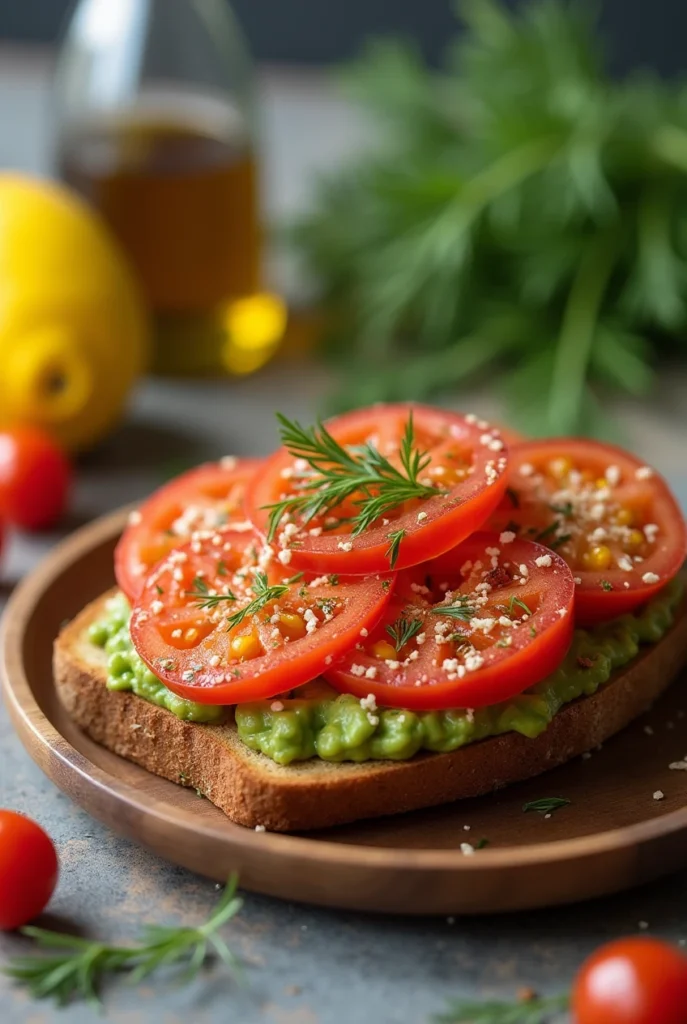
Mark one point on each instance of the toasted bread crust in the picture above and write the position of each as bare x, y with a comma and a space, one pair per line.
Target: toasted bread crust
252, 790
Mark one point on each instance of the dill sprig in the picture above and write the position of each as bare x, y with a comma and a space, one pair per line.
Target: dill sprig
204, 599
340, 473
79, 969
394, 549
546, 805
264, 593
403, 630
529, 1011
461, 610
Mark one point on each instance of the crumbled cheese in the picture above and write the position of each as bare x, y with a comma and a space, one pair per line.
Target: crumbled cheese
176, 634
577, 579
644, 473
466, 849
493, 552
135, 518
650, 532
650, 577
285, 556
276, 705
311, 620
643, 925
613, 475
507, 537
466, 828
369, 703
625, 563
421, 516
260, 828
527, 469
678, 766
544, 561
659, 795
214, 660
357, 670
420, 638
178, 575
315, 531
156, 607
524, 571
371, 672
372, 719
470, 715
364, 632
345, 545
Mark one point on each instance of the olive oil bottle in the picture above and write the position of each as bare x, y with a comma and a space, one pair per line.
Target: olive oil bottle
156, 130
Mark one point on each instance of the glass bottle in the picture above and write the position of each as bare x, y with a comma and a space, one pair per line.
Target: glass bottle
156, 128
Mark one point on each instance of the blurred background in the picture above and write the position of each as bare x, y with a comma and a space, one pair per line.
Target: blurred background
282, 204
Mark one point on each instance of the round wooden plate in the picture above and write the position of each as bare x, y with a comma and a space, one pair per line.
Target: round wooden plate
613, 834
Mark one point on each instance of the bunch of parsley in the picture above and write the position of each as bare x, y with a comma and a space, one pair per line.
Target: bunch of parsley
522, 213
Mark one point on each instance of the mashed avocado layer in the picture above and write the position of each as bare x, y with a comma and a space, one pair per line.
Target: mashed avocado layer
336, 727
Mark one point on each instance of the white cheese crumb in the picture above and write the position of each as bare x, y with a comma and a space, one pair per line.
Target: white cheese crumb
493, 552
466, 849
345, 545
613, 475
659, 795
625, 563
562, 612
371, 672
135, 518
260, 828
678, 766
364, 632
466, 828
285, 556
650, 577
544, 561
176, 634
643, 925
228, 462
214, 660
577, 579
547, 815
524, 571
650, 532
421, 516
156, 607
507, 537
644, 473
527, 469
369, 703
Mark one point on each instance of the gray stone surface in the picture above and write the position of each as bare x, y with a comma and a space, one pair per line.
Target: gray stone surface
305, 966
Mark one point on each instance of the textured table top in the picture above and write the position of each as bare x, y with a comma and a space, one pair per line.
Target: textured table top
305, 966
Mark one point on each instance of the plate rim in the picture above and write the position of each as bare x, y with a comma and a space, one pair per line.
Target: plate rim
28, 717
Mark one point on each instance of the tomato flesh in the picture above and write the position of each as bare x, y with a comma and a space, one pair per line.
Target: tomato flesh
209, 496
467, 469
613, 520
632, 981
28, 870
508, 625
181, 625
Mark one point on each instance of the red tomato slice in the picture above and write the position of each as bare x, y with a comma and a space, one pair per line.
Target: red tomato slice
613, 519
466, 466
475, 626
206, 497
184, 624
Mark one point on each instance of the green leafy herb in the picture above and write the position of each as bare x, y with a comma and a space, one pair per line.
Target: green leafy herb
264, 594
461, 611
566, 509
533, 631
557, 541
204, 599
547, 531
159, 589
334, 580
481, 844
547, 804
403, 630
394, 549
78, 969
339, 473
516, 602
529, 1011
222, 568
607, 585
534, 233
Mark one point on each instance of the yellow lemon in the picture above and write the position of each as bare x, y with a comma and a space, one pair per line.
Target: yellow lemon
73, 328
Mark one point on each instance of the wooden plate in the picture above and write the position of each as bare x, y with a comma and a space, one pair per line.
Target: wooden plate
613, 835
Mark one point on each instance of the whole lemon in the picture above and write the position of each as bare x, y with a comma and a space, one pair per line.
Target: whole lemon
73, 328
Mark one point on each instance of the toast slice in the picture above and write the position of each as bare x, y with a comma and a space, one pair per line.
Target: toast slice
254, 791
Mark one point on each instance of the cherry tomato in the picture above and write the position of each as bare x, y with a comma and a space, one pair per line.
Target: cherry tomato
203, 498
613, 519
183, 627
476, 626
466, 466
35, 478
28, 870
632, 981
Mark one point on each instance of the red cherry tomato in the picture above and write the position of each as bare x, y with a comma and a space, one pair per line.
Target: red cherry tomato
28, 870
475, 626
203, 498
632, 981
466, 467
613, 520
183, 624
35, 478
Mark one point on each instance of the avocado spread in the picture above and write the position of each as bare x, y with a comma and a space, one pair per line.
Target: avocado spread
318, 722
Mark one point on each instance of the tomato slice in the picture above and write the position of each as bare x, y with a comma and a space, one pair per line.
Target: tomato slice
466, 467
205, 497
475, 626
210, 623
613, 519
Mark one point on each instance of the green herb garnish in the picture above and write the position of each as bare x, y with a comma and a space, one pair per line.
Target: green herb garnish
204, 599
77, 971
547, 804
264, 594
529, 1011
461, 611
393, 551
607, 585
339, 473
516, 602
403, 630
